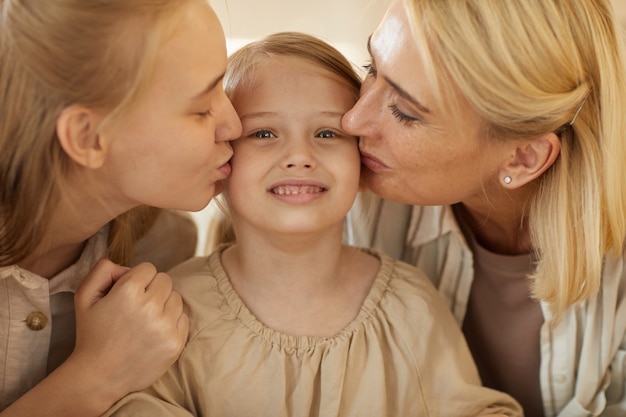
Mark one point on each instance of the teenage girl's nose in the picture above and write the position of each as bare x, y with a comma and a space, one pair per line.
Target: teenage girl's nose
361, 119
299, 154
230, 127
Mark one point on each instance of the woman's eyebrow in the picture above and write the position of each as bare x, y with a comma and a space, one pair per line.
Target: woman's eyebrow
212, 84
401, 91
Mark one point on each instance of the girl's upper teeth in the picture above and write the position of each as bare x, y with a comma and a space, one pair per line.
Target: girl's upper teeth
296, 189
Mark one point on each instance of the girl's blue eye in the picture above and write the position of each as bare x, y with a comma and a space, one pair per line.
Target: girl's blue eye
326, 134
264, 134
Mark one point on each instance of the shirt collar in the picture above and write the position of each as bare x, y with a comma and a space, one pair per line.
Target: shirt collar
70, 278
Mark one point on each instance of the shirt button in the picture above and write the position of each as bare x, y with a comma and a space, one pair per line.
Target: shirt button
36, 320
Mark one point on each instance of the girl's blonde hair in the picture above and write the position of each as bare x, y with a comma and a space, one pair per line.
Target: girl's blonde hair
96, 53
531, 67
240, 75
302, 47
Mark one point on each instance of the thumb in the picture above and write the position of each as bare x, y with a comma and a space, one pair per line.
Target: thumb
98, 283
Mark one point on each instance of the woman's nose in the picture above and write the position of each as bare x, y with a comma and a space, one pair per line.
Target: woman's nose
358, 121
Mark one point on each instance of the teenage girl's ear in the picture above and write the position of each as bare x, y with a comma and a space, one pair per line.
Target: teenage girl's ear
532, 158
77, 133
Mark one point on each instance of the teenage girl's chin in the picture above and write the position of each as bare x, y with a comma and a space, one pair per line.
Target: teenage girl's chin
204, 198
219, 187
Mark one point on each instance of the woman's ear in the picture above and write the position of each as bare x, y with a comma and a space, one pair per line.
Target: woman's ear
531, 160
78, 135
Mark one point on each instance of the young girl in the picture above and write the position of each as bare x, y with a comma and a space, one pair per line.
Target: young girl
105, 107
287, 321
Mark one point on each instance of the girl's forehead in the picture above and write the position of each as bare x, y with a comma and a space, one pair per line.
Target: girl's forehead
313, 67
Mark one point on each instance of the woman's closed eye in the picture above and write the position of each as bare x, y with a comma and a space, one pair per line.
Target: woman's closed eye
395, 111
401, 116
369, 68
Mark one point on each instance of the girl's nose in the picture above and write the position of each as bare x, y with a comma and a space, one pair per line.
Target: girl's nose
299, 155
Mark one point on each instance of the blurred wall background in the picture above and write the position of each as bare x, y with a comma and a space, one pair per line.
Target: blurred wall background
346, 24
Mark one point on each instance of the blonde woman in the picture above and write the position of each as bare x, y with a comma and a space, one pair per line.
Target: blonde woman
106, 107
498, 129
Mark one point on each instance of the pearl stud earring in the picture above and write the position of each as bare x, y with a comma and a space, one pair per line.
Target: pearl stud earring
507, 179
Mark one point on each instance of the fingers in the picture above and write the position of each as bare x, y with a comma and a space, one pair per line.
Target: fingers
135, 325
150, 294
139, 277
183, 328
98, 283
174, 309
160, 288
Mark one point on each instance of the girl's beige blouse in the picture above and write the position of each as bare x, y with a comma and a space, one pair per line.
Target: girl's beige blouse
403, 355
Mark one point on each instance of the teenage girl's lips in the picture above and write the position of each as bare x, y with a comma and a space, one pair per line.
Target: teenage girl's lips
372, 163
225, 170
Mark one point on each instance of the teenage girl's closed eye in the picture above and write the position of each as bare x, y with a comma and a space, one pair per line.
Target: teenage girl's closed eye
204, 114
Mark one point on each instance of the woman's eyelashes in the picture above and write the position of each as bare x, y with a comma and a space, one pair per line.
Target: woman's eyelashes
402, 117
395, 111
369, 68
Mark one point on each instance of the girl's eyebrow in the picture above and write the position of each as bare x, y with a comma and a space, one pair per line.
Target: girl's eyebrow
401, 91
260, 114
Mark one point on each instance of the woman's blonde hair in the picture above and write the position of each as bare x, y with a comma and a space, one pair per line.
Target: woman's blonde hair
240, 75
56, 53
531, 67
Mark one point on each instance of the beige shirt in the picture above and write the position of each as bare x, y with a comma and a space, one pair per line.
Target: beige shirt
583, 358
403, 355
37, 326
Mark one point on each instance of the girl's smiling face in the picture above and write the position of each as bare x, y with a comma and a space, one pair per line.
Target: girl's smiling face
294, 168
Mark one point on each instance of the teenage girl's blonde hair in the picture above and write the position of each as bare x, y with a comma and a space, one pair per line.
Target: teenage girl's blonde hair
240, 75
55, 53
527, 67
